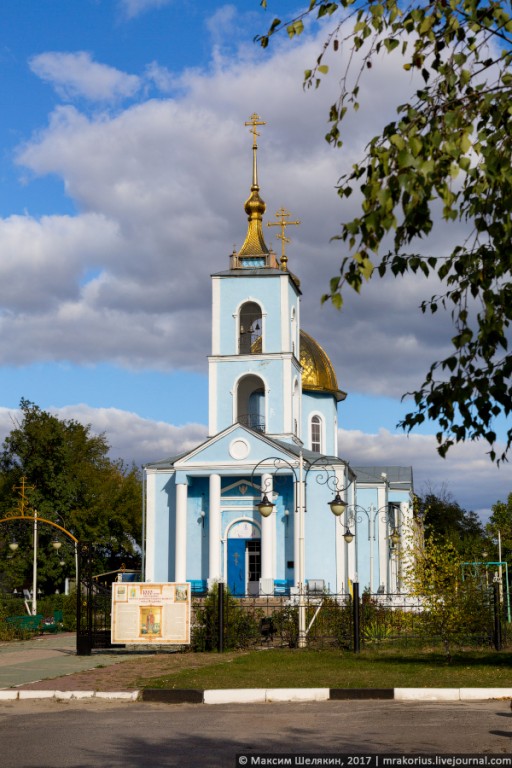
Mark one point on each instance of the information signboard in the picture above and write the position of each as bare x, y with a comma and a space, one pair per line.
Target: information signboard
150, 613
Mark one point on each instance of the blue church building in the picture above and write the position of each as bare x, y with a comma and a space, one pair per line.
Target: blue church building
265, 503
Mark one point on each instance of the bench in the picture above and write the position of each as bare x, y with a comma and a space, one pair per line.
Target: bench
26, 623
198, 586
282, 586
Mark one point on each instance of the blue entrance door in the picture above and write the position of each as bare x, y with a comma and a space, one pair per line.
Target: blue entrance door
236, 566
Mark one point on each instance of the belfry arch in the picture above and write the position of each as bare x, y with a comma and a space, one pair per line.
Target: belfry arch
250, 328
250, 402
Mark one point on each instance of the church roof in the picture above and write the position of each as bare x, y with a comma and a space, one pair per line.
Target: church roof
293, 449
317, 370
309, 456
398, 478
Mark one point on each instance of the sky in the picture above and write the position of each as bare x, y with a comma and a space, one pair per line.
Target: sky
124, 168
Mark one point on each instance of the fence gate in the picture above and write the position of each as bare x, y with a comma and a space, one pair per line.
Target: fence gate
94, 605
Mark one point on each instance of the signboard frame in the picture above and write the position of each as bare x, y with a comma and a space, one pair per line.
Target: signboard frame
150, 613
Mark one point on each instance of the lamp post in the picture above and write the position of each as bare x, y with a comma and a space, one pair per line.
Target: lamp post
56, 544
34, 568
25, 513
300, 474
355, 515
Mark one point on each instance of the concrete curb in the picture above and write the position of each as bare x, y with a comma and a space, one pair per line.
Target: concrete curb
265, 695
11, 694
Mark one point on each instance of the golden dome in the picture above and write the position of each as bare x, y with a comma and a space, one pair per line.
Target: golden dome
317, 371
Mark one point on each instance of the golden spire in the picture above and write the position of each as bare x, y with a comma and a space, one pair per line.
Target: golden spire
283, 214
254, 244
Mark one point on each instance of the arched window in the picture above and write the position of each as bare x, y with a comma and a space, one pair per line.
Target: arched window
250, 329
316, 434
293, 331
296, 407
251, 402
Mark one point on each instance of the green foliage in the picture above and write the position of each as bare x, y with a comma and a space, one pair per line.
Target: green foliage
65, 603
444, 519
450, 147
11, 606
500, 522
375, 632
70, 481
241, 626
451, 608
286, 625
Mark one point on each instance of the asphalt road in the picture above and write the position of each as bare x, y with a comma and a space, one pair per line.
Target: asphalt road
90, 734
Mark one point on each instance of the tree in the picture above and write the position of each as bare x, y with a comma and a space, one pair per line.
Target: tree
449, 146
445, 520
70, 480
455, 605
500, 524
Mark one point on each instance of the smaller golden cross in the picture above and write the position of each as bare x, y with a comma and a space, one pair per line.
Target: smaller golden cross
254, 121
283, 214
22, 501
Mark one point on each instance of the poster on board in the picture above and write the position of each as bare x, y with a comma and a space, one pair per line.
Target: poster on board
150, 613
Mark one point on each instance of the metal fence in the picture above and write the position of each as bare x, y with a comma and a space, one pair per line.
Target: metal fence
374, 621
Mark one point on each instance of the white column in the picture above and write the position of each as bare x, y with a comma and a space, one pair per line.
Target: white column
298, 520
268, 525
214, 566
301, 552
382, 537
352, 548
149, 574
180, 560
340, 544
34, 569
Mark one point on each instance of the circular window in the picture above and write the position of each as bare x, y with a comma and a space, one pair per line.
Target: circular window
239, 449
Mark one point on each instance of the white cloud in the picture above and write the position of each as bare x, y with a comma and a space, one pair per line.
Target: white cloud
159, 188
43, 260
77, 75
133, 8
169, 177
466, 472
160, 76
132, 438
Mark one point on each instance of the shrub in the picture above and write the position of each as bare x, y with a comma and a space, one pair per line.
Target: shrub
241, 624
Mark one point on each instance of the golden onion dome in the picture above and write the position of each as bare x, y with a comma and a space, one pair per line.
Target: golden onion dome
317, 370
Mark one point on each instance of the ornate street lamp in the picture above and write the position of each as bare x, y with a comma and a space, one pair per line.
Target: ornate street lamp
394, 537
265, 506
337, 506
385, 514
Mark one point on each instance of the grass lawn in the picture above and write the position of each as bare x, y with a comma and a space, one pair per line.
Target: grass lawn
284, 668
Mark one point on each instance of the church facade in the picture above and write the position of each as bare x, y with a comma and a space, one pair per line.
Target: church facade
265, 504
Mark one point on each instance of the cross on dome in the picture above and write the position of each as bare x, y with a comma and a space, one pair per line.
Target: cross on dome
283, 214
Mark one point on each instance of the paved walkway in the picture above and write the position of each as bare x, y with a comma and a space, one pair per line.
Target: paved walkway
48, 656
